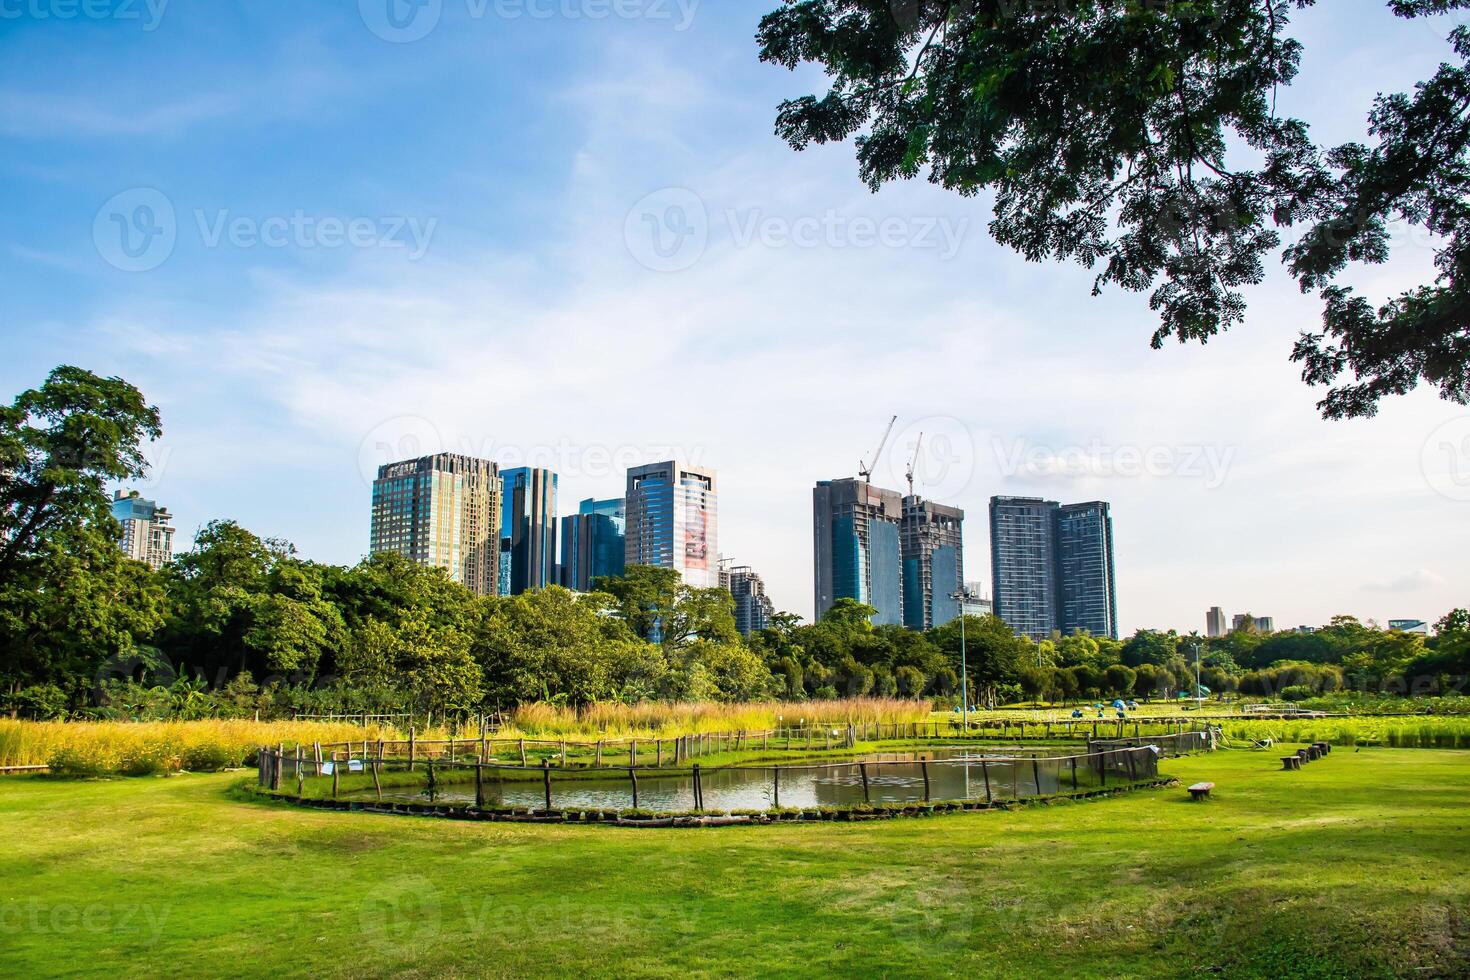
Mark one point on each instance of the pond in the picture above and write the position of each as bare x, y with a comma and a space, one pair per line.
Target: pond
894, 777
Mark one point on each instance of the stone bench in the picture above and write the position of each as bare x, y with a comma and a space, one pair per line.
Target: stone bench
1200, 791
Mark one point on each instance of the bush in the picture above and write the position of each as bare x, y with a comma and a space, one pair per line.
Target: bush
208, 757
1297, 692
80, 763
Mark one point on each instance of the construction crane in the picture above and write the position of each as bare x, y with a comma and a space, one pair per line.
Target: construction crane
918, 443
865, 470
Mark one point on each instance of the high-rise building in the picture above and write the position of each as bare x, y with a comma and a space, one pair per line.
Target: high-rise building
932, 551
672, 521
753, 608
1052, 566
592, 543
528, 527
1023, 567
442, 510
1086, 596
1418, 626
147, 531
856, 547
1215, 622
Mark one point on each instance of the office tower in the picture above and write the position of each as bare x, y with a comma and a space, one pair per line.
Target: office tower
1418, 626
1086, 596
528, 527
1023, 564
671, 521
753, 609
976, 604
1265, 624
856, 547
1052, 566
442, 510
1215, 622
933, 556
147, 534
592, 543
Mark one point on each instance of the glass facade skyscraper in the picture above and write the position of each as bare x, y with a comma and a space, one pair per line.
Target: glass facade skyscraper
672, 521
593, 542
528, 527
1086, 597
856, 547
1052, 566
442, 510
147, 529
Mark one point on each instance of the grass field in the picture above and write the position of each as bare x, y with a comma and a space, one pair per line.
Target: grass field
1357, 866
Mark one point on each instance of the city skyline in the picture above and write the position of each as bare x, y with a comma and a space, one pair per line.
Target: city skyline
292, 360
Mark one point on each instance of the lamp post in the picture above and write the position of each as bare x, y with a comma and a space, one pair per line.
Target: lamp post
962, 595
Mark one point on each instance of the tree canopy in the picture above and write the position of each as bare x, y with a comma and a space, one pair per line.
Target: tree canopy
1143, 139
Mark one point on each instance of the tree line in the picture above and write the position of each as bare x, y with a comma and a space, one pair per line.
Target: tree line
241, 623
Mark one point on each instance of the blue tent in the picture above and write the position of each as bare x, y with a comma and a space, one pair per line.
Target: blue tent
1119, 703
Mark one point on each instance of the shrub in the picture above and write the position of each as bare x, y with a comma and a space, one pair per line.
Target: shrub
208, 757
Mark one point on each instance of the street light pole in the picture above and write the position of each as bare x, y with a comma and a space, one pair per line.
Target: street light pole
963, 596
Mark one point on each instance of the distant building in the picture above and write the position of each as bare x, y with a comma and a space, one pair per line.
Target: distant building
1052, 566
442, 510
753, 608
932, 550
1087, 596
147, 529
672, 521
856, 547
976, 604
1215, 622
593, 542
1418, 626
1261, 624
528, 527
1023, 567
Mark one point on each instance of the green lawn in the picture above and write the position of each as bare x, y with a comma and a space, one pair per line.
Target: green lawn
1357, 866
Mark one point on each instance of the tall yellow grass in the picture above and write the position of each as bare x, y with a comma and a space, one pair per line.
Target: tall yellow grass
667, 720
104, 748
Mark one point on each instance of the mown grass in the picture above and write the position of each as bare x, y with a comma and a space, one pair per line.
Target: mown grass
1357, 866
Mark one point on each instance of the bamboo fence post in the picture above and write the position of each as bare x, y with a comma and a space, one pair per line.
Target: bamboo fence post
377, 785
1074, 774
412, 747
1036, 774
523, 752
658, 758
924, 766
985, 771
316, 748
300, 784
776, 787
633, 752
863, 769
599, 753
298, 760
335, 770
479, 785
546, 781
633, 775
698, 790
276, 768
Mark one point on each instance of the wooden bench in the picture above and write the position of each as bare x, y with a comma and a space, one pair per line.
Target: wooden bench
1289, 762
1200, 791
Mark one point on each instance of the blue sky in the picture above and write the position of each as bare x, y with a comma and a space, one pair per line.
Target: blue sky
378, 241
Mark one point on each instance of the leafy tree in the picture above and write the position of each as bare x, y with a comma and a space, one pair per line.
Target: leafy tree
69, 601
1120, 679
1103, 129
993, 652
656, 602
